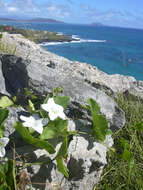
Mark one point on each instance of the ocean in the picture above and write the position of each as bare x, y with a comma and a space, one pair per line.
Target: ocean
111, 49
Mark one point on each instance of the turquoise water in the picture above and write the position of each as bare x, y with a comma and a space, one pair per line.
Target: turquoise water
121, 52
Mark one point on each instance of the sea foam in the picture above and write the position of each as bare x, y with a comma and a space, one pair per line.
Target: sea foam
77, 40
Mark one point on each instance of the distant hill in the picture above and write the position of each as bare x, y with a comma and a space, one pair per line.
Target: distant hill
44, 20
32, 20
7, 19
97, 24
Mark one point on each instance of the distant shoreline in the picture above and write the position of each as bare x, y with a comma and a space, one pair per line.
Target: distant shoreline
31, 20
38, 36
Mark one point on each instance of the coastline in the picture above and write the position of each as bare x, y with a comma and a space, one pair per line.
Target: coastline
38, 36
39, 70
72, 41
92, 75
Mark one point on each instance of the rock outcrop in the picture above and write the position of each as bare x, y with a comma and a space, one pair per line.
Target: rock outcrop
20, 74
111, 84
42, 71
86, 160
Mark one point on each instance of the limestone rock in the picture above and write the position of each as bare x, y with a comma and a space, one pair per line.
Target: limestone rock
110, 84
86, 160
20, 74
2, 82
42, 71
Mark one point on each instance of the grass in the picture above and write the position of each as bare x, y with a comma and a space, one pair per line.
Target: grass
124, 170
6, 47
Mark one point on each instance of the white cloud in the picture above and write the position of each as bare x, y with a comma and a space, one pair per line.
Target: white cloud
12, 9
32, 9
59, 11
112, 17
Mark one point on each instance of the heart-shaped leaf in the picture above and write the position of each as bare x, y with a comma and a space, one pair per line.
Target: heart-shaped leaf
54, 129
34, 141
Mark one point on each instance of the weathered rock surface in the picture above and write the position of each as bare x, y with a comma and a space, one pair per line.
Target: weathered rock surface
42, 71
109, 83
20, 74
2, 82
86, 160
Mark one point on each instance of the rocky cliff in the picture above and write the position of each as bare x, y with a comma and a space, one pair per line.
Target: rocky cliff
41, 71
90, 74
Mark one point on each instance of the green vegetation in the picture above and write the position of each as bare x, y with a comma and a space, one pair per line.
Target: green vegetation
6, 48
36, 35
124, 170
46, 122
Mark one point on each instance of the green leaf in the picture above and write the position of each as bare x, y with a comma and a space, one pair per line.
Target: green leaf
29, 94
139, 126
95, 108
3, 115
7, 176
61, 167
46, 99
14, 99
5, 102
2, 129
34, 141
9, 173
4, 187
2, 174
100, 124
31, 106
126, 155
54, 129
100, 127
63, 151
124, 143
61, 155
57, 90
0, 36
62, 100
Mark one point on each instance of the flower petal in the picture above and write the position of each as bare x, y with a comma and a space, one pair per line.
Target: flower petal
52, 116
59, 108
4, 141
62, 115
2, 151
51, 101
24, 118
39, 129
55, 110
45, 107
34, 122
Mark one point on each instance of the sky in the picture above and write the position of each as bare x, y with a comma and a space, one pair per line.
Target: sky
124, 13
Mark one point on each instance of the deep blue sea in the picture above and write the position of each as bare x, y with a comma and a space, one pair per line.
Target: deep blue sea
113, 50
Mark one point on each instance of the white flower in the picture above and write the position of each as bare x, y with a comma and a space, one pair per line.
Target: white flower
3, 142
34, 122
54, 110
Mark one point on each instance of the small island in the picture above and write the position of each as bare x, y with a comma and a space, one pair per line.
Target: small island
37, 36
